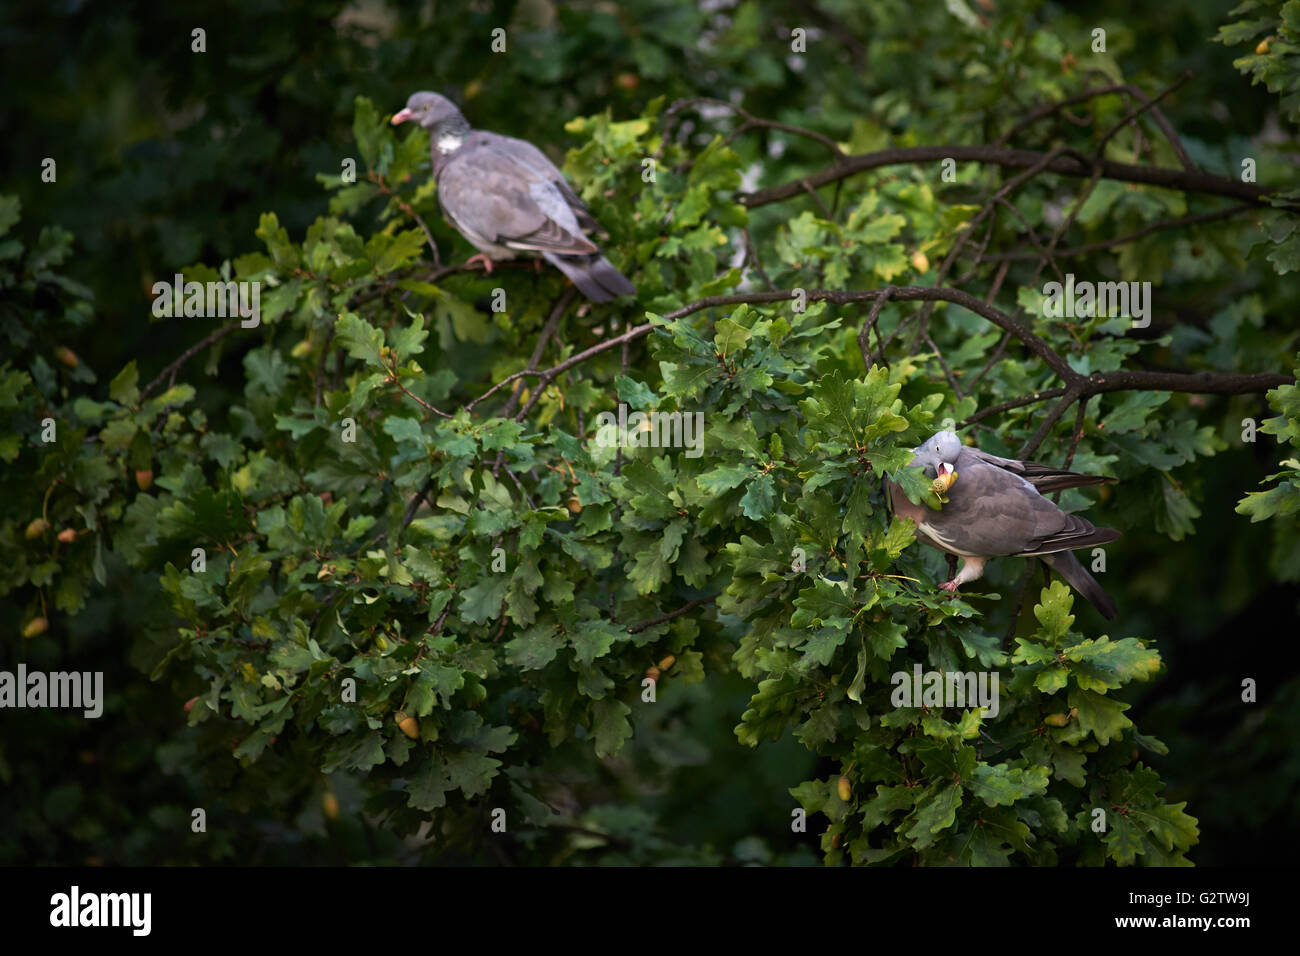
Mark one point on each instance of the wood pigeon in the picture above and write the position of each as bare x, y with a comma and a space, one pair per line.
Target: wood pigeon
995, 507
506, 197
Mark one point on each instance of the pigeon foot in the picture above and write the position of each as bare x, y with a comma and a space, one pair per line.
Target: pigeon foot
480, 260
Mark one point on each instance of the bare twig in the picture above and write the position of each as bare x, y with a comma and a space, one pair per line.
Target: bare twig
1046, 254
978, 259
751, 257
1186, 180
684, 609
552, 323
1069, 398
405, 206
993, 360
826, 213
1143, 106
522, 490
872, 317
1125, 88
185, 356
1013, 403
1078, 433
952, 379
393, 376
413, 505
433, 246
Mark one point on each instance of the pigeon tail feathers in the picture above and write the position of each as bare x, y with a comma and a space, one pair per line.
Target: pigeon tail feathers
595, 276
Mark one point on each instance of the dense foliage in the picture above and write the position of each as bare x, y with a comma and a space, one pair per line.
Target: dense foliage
416, 601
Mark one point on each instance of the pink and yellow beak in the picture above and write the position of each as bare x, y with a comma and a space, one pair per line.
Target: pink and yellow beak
401, 116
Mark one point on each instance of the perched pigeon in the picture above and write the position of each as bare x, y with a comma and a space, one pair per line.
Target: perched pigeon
995, 507
506, 197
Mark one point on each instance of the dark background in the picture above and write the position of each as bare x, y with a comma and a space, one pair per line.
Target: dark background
167, 157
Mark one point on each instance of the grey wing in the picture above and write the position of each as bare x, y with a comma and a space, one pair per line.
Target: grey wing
991, 512
1043, 477
1010, 464
543, 171
492, 199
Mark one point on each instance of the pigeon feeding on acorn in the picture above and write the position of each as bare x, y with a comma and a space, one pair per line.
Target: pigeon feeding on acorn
993, 507
507, 199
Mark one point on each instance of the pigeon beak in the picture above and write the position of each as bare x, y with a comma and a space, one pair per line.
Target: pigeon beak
944, 468
401, 117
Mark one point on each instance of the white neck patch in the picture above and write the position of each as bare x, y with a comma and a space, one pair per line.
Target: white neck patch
449, 142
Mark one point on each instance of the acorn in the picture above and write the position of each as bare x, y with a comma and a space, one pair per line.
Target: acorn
325, 573
938, 491
408, 724
189, 704
920, 262
302, 349
1262, 48
1056, 720
652, 673
37, 528
68, 535
628, 81
667, 662
329, 805
845, 789
941, 484
37, 625
144, 479
381, 643
67, 356
575, 506
250, 672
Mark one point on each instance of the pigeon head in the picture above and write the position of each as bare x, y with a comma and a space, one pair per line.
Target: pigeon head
938, 454
434, 112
